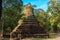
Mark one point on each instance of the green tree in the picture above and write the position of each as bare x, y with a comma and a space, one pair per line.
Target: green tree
43, 19
11, 14
54, 9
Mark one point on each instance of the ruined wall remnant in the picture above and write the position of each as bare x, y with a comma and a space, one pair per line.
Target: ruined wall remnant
29, 26
28, 10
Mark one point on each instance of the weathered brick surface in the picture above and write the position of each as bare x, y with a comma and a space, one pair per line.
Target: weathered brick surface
29, 26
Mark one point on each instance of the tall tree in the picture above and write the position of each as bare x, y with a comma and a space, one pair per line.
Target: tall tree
54, 9
11, 13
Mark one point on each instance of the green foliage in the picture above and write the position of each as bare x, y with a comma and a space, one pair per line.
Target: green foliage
58, 25
49, 21
54, 9
13, 11
11, 14
43, 19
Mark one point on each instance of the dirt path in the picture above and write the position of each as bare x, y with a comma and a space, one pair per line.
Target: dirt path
58, 38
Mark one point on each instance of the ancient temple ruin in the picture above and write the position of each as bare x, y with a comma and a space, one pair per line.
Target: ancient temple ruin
27, 27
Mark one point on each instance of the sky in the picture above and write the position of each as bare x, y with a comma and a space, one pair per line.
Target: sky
39, 3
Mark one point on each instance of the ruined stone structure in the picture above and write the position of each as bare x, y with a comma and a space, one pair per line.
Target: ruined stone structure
28, 10
27, 27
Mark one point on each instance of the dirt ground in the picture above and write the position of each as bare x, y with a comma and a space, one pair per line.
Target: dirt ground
58, 38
